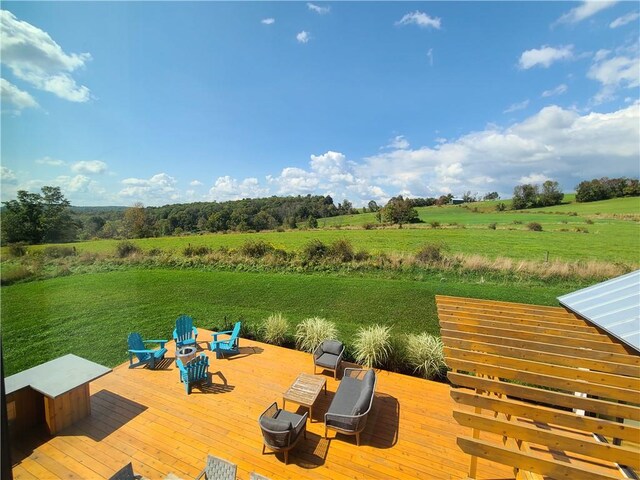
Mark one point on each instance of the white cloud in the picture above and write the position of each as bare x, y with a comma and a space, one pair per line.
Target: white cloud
615, 72
228, 188
421, 19
89, 167
557, 143
536, 178
559, 90
196, 183
8, 176
268, 21
33, 56
303, 37
13, 96
585, 10
545, 56
78, 183
514, 107
398, 142
159, 189
317, 9
430, 56
50, 161
628, 18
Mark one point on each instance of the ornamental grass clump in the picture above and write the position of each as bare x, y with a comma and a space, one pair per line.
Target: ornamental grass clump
312, 331
274, 329
372, 346
425, 355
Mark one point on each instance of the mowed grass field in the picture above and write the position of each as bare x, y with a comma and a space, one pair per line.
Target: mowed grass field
565, 236
91, 315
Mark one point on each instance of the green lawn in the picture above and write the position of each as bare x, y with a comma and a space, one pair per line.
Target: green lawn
90, 315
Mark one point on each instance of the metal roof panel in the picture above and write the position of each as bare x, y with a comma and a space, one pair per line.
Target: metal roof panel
613, 305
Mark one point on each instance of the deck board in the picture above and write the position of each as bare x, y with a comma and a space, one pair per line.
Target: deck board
145, 417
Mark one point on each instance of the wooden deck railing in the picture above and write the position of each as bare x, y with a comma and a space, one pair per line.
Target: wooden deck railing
563, 395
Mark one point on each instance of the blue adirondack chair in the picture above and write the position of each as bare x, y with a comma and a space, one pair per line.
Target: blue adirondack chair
185, 333
195, 371
230, 345
144, 355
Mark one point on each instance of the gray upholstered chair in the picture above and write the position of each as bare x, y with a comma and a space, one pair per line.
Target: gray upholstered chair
281, 430
328, 356
218, 469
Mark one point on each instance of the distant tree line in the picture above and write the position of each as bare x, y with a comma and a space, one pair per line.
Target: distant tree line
48, 217
605, 188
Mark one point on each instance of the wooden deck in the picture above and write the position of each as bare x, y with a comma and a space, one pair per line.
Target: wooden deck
145, 417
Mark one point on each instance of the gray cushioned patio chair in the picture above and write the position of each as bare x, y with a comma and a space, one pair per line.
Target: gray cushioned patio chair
281, 430
328, 356
218, 469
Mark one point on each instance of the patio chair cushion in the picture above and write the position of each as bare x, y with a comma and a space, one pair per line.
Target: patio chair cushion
362, 403
369, 379
332, 346
328, 360
348, 391
276, 424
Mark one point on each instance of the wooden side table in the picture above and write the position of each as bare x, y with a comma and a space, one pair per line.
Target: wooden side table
304, 391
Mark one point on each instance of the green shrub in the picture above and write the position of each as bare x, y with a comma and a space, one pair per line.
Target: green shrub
17, 249
191, 251
492, 226
534, 227
256, 248
430, 253
13, 275
154, 252
362, 255
314, 250
371, 346
341, 250
588, 221
125, 248
397, 359
274, 329
501, 207
55, 251
368, 226
434, 224
581, 230
424, 353
311, 332
517, 222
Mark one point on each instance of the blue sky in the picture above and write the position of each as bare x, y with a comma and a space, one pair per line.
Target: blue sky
172, 102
